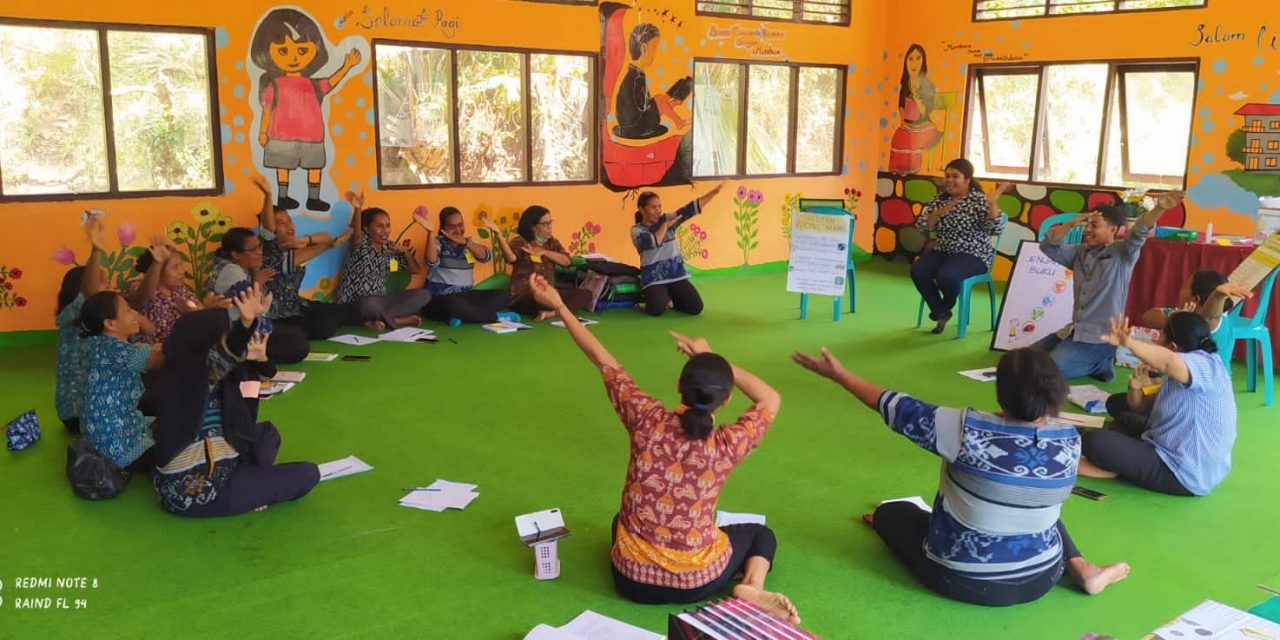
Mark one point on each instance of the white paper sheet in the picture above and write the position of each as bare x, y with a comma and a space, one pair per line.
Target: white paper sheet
441, 495
586, 322
353, 339
1212, 620
407, 334
590, 624
1088, 397
981, 375
505, 327
530, 524
726, 518
338, 468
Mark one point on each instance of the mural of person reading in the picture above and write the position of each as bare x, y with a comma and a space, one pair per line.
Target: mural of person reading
290, 49
916, 99
638, 112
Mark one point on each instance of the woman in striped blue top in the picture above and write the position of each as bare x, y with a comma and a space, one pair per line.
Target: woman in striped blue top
993, 537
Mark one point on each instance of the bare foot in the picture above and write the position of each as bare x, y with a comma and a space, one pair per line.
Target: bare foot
869, 518
408, 321
543, 315
1093, 579
260, 509
375, 325
773, 603
1090, 470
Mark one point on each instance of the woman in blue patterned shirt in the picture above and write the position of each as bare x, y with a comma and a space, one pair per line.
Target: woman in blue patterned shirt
964, 220
111, 420
994, 536
78, 283
663, 278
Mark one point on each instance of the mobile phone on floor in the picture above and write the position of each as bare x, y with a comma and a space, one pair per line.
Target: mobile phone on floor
1088, 493
355, 358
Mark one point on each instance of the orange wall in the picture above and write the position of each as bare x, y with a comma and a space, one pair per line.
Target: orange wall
35, 231
1233, 72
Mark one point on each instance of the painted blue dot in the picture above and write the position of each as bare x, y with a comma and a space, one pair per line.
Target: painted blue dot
1219, 66
226, 134
1194, 139
222, 110
244, 170
658, 72
1231, 122
844, 169
884, 122
238, 91
999, 38
1221, 90
846, 112
1274, 98
1207, 126
975, 35
1204, 112
1026, 45
231, 158
702, 43
239, 138
885, 55
679, 40
862, 166
1015, 24
220, 37
364, 135
946, 63
867, 90
239, 64
351, 160
987, 53
665, 86
717, 55
368, 115
879, 86
662, 46
360, 102
238, 121
1200, 84
689, 65
1262, 87
337, 99
675, 61
368, 151
1207, 158
1195, 168
354, 186
958, 34
964, 68
337, 129
373, 183
229, 186
851, 69
1257, 61
368, 79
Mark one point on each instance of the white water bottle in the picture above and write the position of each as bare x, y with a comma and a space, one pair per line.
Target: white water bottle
1208, 233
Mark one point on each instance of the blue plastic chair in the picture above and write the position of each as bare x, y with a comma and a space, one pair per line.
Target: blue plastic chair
962, 316
850, 275
1257, 338
1074, 236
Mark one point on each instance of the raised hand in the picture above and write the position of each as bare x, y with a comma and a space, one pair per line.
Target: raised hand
259, 181
1169, 199
352, 59
1119, 334
824, 364
343, 237
159, 249
546, 295
1141, 377
251, 303
356, 199
1234, 291
691, 346
422, 216
1001, 189
490, 224
263, 275
94, 231
214, 301
257, 349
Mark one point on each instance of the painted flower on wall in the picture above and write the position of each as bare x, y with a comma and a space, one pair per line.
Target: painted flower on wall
691, 237
126, 233
64, 256
580, 241
9, 298
196, 242
790, 205
746, 215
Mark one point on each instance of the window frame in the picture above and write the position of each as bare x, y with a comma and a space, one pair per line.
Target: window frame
113, 191
797, 8
1115, 87
744, 94
526, 105
975, 17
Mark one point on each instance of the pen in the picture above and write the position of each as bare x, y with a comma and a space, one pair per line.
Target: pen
336, 471
419, 489
453, 341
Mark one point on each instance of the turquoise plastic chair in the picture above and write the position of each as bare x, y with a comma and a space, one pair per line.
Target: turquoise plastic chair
962, 315
850, 271
1257, 338
1074, 236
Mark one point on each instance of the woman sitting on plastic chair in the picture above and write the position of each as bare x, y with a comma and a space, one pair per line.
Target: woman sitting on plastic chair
964, 219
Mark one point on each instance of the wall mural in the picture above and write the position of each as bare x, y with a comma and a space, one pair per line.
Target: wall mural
899, 201
643, 134
916, 100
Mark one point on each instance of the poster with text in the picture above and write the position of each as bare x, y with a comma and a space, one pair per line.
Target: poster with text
1037, 300
819, 253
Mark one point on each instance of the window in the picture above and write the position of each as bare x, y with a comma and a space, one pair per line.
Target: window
1273, 146
450, 116
1009, 9
106, 111
1275, 124
817, 11
765, 119
1271, 162
1088, 123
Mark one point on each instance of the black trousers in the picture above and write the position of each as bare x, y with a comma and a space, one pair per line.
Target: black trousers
262, 483
1124, 419
681, 294
387, 308
938, 275
472, 306
747, 540
574, 299
287, 344
322, 320
1130, 457
903, 527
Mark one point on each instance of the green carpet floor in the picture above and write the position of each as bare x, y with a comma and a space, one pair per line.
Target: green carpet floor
525, 417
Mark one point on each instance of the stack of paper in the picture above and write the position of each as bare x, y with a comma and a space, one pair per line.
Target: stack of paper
586, 322
272, 388
353, 339
1088, 397
317, 356
726, 518
409, 334
441, 495
338, 468
505, 326
732, 619
290, 376
1212, 620
590, 625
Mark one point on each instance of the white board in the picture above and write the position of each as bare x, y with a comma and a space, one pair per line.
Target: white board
819, 253
1037, 300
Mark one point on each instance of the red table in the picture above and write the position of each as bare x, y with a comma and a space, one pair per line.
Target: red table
1164, 265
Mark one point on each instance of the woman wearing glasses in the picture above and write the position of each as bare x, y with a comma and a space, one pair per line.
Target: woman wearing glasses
535, 250
237, 266
452, 256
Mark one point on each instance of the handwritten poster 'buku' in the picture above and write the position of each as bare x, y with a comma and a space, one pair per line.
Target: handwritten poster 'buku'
819, 253
1037, 301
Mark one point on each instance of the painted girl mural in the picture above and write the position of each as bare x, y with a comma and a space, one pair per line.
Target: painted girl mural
916, 98
290, 49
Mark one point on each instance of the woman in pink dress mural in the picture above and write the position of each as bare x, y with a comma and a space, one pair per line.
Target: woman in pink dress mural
916, 98
290, 48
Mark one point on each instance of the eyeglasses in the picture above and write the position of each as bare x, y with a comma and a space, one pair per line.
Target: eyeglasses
456, 225
544, 223
251, 249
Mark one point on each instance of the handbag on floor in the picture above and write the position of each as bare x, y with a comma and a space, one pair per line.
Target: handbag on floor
92, 476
